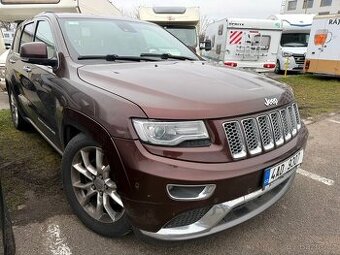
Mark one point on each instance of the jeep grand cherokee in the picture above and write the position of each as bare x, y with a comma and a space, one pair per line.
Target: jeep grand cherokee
152, 138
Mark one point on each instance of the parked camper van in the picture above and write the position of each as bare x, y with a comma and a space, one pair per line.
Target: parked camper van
182, 22
323, 56
294, 41
244, 43
18, 10
8, 38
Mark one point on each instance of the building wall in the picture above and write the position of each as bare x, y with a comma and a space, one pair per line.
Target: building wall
313, 6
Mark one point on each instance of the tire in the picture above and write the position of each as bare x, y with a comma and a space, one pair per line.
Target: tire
278, 68
89, 189
18, 121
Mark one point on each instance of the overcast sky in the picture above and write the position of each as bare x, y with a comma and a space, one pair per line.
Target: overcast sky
214, 9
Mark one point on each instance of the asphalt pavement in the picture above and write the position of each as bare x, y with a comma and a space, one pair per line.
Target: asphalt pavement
305, 221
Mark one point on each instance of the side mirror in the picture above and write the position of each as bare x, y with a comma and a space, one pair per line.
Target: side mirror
206, 45
36, 53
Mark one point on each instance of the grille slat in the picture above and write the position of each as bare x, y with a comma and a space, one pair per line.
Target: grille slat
277, 128
263, 132
266, 132
252, 136
235, 139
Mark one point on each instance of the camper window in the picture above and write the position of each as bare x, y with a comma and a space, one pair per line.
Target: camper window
218, 49
220, 29
44, 34
292, 5
27, 35
307, 4
213, 41
326, 3
294, 40
263, 41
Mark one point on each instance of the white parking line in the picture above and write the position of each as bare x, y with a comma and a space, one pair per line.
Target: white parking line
334, 121
57, 244
316, 177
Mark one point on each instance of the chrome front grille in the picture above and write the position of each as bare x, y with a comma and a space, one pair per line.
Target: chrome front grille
251, 136
299, 59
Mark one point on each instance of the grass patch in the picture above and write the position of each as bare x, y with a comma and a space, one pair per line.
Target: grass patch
315, 95
27, 163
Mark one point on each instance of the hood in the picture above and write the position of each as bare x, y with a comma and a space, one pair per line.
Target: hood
186, 90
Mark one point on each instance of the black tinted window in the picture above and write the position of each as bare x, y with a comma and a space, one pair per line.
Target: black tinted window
27, 34
44, 34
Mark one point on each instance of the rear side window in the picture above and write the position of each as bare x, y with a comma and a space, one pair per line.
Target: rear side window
44, 34
27, 34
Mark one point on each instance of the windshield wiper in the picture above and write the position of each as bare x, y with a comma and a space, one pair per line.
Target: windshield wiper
166, 56
114, 57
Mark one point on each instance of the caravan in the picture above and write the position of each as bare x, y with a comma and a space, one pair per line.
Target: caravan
323, 56
294, 41
182, 22
19, 10
244, 43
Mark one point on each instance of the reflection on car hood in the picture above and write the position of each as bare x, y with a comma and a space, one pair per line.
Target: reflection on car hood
184, 89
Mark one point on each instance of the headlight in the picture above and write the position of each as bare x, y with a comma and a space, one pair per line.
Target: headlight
287, 54
2, 72
170, 133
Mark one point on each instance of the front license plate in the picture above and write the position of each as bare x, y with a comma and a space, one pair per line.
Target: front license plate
274, 173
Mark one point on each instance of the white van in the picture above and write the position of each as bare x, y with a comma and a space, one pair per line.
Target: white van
323, 55
244, 43
294, 41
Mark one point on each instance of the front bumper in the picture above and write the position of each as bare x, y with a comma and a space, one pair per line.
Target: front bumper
228, 214
143, 190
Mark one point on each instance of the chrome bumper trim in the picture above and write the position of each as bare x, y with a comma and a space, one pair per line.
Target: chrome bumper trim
212, 222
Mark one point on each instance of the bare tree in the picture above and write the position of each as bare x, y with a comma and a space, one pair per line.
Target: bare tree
6, 25
134, 13
204, 22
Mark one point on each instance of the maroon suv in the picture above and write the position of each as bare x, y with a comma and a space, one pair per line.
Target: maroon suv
152, 138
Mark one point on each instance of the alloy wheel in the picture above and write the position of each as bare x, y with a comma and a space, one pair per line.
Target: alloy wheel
95, 191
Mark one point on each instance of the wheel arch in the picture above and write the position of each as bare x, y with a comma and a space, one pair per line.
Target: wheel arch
74, 123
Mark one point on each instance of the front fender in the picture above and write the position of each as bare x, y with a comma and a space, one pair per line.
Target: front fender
96, 131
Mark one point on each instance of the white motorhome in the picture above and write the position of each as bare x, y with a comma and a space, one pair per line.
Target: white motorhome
8, 38
244, 43
294, 41
182, 22
18, 10
323, 55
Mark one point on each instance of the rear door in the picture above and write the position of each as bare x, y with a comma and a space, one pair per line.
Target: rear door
20, 72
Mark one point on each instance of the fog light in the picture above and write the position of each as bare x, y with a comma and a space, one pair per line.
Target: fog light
190, 192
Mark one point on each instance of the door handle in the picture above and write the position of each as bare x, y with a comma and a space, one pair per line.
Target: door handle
12, 61
27, 69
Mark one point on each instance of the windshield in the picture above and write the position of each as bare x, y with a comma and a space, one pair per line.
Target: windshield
101, 37
186, 34
294, 40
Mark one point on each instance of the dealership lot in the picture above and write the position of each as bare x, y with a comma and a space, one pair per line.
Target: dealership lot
305, 221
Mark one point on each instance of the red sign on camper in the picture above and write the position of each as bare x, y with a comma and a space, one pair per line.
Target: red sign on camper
235, 37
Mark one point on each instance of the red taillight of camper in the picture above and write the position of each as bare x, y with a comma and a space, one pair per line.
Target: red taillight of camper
231, 64
269, 66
